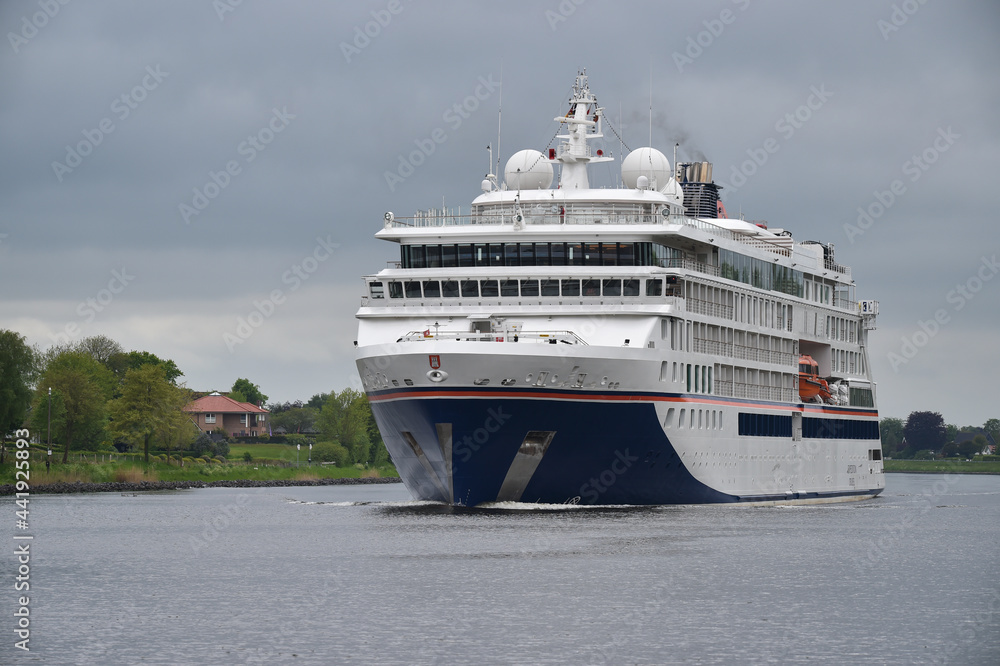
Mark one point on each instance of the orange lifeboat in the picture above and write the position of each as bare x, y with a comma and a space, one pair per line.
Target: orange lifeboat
810, 384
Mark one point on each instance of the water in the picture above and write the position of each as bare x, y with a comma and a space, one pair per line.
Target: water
360, 574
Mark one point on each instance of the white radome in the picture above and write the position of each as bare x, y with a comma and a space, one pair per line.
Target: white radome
528, 170
648, 162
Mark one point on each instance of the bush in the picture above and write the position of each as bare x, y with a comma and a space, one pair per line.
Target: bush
247, 457
331, 452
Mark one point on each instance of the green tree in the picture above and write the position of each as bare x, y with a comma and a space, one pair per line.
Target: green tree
148, 405
251, 392
137, 359
81, 387
992, 428
17, 368
344, 420
318, 400
925, 430
891, 433
295, 419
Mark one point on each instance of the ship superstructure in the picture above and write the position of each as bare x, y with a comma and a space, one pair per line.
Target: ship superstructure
616, 345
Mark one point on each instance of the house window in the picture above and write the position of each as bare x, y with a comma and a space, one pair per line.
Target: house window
260, 418
243, 419
209, 418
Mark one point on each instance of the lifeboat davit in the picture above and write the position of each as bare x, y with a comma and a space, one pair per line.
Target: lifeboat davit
810, 383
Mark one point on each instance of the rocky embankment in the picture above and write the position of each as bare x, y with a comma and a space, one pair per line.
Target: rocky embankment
122, 487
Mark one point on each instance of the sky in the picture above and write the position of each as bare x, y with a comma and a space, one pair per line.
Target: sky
203, 180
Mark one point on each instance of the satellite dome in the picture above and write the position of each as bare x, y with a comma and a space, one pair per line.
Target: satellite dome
648, 162
528, 170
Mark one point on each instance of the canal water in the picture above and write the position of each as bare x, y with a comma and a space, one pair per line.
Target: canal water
364, 575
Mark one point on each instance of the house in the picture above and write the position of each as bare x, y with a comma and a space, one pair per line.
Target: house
989, 448
238, 419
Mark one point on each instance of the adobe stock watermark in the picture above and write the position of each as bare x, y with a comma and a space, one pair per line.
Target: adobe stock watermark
364, 34
786, 127
959, 297
264, 309
219, 523
714, 28
898, 17
223, 7
595, 487
914, 168
453, 117
495, 419
122, 107
563, 11
89, 308
249, 148
37, 21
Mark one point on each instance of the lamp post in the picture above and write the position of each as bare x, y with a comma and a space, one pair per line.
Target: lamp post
310, 454
48, 432
298, 447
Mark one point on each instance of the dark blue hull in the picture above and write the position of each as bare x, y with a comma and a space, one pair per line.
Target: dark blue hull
470, 450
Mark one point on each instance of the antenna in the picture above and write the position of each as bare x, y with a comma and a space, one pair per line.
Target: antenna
650, 105
499, 118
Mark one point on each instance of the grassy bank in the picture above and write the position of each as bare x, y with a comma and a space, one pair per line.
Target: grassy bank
942, 466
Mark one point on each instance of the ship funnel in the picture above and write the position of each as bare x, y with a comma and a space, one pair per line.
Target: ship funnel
701, 194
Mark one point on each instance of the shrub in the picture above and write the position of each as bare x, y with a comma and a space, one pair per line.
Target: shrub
330, 452
247, 457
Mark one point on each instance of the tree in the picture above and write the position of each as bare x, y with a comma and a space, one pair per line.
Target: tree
101, 348
318, 400
971, 447
81, 387
295, 419
250, 392
147, 406
992, 428
891, 433
17, 367
925, 430
344, 420
137, 359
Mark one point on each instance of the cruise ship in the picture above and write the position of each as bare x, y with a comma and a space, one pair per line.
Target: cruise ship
621, 345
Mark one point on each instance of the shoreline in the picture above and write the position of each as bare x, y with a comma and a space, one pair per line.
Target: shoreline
128, 487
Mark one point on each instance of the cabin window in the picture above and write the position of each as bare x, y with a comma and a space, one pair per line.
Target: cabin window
377, 290
612, 287
541, 254
570, 287
630, 288
465, 256
574, 254
592, 254
470, 288
395, 289
418, 256
449, 288
490, 288
654, 287
557, 254
433, 256
508, 287
449, 256
482, 254
529, 287
412, 289
591, 287
550, 287
432, 289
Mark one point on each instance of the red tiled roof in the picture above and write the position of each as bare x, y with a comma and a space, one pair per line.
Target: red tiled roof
220, 404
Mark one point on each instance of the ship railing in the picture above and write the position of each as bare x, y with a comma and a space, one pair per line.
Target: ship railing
699, 306
719, 348
549, 337
834, 266
733, 389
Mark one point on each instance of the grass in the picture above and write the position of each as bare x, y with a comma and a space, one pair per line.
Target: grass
941, 466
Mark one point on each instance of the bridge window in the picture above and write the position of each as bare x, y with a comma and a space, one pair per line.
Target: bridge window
529, 287
432, 289
612, 287
508, 287
449, 288
412, 289
491, 289
570, 287
591, 287
550, 287
395, 289
377, 290
630, 288
654, 287
470, 288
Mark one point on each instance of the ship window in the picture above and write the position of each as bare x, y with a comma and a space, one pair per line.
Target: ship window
680, 420
550, 287
449, 288
689, 377
395, 290
654, 287
528, 254
630, 288
612, 287
433, 256
570, 287
542, 254
496, 254
591, 287
470, 288
490, 289
377, 289
557, 252
432, 289
465, 256
449, 256
482, 254
508, 287
626, 254
574, 254
511, 255
412, 289
529, 287
592, 254
417, 256
609, 254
